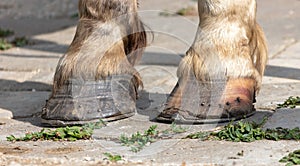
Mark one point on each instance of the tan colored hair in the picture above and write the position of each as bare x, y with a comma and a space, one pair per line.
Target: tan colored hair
109, 40
229, 42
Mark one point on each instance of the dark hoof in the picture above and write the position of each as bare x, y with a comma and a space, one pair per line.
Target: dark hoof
214, 102
82, 102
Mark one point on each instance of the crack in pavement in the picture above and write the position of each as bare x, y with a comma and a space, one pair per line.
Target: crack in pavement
284, 47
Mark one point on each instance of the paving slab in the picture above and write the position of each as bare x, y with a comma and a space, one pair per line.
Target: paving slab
16, 86
273, 94
159, 79
169, 151
293, 52
285, 118
28, 60
23, 104
26, 76
280, 22
17, 75
37, 9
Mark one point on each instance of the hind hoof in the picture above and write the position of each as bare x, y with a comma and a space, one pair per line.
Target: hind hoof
220, 101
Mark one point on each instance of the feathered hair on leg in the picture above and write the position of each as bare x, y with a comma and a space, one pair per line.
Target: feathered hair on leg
221, 73
105, 26
109, 40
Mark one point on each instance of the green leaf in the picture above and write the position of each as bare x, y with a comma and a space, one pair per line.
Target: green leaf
199, 135
71, 133
6, 32
291, 102
152, 130
295, 160
11, 138
4, 45
292, 159
20, 41
138, 141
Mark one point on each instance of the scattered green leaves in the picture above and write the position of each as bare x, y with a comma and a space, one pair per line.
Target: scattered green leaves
165, 13
283, 134
178, 129
241, 132
292, 159
113, 158
4, 45
248, 132
291, 102
251, 131
152, 131
175, 129
188, 11
7, 43
75, 15
20, 41
203, 136
138, 141
67, 133
64, 133
6, 32
96, 125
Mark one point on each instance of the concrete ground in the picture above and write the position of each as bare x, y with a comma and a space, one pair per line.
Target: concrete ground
26, 74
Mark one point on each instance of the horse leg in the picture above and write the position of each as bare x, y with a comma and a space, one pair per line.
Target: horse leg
221, 73
96, 79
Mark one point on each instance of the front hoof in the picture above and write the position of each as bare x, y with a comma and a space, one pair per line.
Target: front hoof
77, 103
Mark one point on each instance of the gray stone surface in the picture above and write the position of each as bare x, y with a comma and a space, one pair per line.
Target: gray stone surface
23, 104
285, 118
37, 9
26, 76
280, 22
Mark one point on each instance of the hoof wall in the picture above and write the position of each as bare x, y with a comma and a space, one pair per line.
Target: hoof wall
79, 103
215, 102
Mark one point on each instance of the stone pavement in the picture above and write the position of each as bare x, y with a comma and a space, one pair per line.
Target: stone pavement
26, 75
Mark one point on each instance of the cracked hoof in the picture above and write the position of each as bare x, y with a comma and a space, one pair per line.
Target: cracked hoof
78, 103
219, 101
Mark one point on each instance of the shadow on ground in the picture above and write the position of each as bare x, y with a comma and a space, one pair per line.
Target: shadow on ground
34, 26
13, 86
283, 72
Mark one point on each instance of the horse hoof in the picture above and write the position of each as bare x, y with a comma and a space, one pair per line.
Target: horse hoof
210, 102
78, 103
